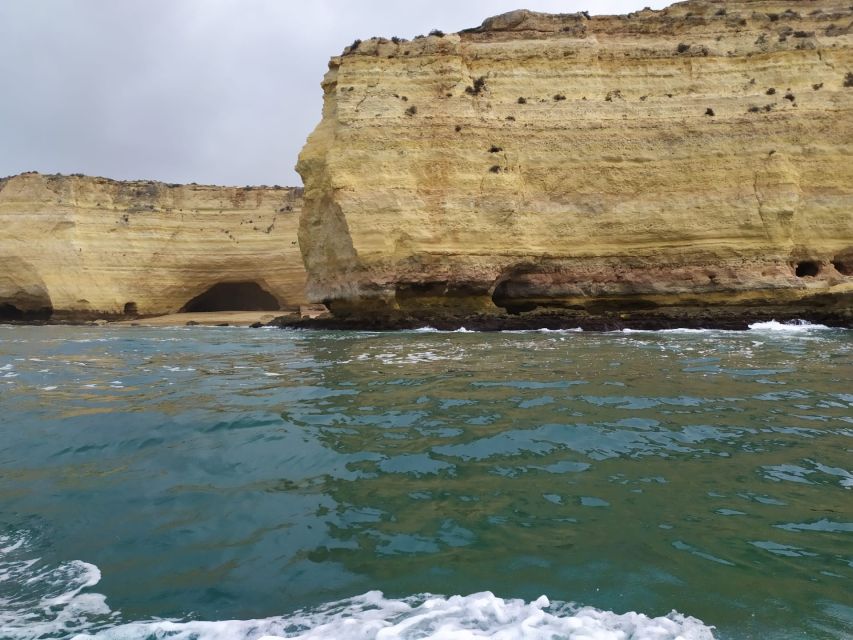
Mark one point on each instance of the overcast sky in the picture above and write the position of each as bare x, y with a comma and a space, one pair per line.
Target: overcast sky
208, 91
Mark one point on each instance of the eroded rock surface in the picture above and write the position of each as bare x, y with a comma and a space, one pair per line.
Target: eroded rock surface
689, 165
75, 247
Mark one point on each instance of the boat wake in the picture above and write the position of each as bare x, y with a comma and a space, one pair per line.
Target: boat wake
38, 602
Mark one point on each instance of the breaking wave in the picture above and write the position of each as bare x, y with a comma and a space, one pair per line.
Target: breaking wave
793, 326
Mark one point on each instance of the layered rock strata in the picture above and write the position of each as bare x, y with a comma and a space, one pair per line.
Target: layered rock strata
75, 248
685, 166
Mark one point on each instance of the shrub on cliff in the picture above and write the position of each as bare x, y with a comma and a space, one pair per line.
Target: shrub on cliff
353, 47
478, 86
411, 110
848, 79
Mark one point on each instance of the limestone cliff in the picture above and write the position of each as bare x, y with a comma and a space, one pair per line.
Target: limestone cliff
690, 162
77, 247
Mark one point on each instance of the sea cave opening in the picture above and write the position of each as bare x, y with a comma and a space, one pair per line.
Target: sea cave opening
11, 313
233, 296
510, 295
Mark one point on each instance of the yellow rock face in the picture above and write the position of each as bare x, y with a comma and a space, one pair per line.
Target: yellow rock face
81, 247
699, 157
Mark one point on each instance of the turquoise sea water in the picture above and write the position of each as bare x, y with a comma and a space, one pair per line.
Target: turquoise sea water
159, 482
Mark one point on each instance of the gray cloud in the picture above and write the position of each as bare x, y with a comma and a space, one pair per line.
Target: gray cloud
209, 91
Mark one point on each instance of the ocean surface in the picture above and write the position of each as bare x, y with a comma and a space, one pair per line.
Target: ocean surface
223, 483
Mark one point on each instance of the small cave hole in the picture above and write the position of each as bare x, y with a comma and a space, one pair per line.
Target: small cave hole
130, 309
233, 296
807, 268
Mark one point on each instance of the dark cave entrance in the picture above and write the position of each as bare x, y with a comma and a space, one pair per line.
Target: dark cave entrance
512, 294
233, 296
807, 268
11, 313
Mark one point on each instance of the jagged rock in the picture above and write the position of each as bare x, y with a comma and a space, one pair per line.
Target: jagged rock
74, 247
596, 167
313, 311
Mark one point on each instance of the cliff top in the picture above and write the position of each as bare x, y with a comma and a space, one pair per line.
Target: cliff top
32, 189
778, 17
699, 12
154, 184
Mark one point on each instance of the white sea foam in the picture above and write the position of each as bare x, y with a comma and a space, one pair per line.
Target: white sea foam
686, 330
434, 330
416, 357
795, 326
556, 331
481, 615
46, 601
12, 544
676, 331
61, 606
